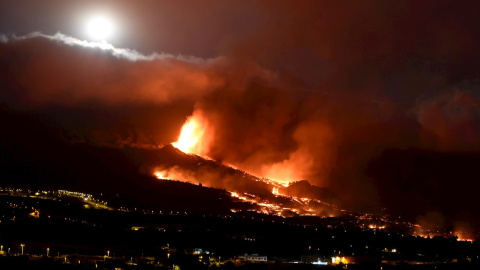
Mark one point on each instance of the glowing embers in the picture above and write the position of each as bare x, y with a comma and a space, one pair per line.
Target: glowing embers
193, 136
464, 236
287, 206
465, 240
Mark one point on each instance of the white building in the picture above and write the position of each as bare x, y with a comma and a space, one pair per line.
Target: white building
253, 258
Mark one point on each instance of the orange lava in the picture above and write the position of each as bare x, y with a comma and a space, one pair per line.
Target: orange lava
159, 175
465, 240
196, 137
193, 137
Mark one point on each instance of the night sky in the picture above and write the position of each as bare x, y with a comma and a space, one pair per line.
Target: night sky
378, 101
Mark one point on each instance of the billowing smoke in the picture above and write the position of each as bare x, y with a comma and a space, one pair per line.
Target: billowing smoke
60, 70
431, 224
464, 231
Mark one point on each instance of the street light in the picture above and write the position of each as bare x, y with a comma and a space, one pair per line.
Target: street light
48, 251
22, 245
108, 253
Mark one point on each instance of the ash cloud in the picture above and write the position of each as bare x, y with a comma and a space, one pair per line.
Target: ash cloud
328, 92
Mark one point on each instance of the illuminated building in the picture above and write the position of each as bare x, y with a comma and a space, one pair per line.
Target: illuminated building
253, 258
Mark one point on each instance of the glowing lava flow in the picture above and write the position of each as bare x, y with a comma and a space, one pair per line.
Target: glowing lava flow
162, 175
196, 137
159, 175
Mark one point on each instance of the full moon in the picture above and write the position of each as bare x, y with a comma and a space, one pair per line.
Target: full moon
100, 28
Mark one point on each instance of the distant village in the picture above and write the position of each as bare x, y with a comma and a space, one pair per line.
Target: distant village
75, 230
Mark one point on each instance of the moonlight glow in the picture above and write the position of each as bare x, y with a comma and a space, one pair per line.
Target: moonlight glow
100, 28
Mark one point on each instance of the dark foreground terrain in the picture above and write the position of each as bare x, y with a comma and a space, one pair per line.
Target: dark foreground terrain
71, 230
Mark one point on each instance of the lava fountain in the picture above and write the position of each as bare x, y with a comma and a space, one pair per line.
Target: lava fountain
193, 137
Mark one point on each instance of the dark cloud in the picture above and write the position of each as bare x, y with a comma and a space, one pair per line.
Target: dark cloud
451, 120
50, 71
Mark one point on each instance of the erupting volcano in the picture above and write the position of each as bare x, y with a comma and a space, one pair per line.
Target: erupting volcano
195, 138
265, 196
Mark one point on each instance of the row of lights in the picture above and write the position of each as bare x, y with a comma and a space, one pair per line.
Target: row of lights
21, 246
48, 250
